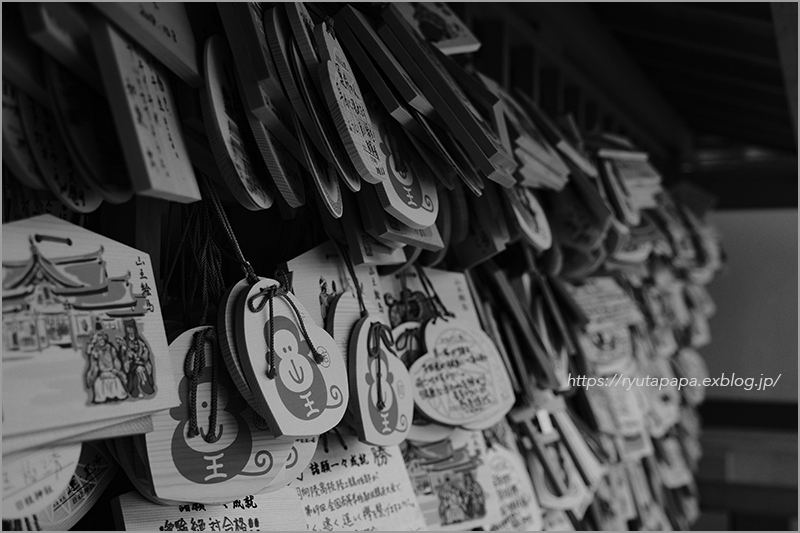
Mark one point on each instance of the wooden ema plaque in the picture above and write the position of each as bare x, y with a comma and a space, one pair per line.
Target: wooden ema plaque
282, 166
33, 479
303, 30
409, 194
304, 396
607, 348
236, 457
278, 36
461, 379
438, 25
275, 511
80, 309
453, 482
260, 84
61, 31
343, 313
365, 249
323, 173
17, 153
226, 331
225, 121
347, 107
163, 30
321, 122
519, 506
619, 195
55, 166
93, 474
452, 105
384, 227
364, 29
146, 117
530, 217
366, 70
353, 486
86, 123
380, 385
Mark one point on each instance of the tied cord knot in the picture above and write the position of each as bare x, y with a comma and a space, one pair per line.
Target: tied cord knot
193, 367
256, 304
378, 332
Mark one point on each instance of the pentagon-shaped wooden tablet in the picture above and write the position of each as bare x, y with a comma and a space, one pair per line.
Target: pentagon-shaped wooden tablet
55, 164
380, 386
461, 379
223, 463
409, 194
344, 312
225, 121
346, 105
303, 397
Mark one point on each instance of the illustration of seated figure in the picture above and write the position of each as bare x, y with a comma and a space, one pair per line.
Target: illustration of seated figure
138, 365
105, 377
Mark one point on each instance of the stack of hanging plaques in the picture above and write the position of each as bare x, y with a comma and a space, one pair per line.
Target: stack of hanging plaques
212, 448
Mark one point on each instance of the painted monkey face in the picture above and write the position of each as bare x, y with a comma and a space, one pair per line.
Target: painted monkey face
294, 368
227, 425
299, 380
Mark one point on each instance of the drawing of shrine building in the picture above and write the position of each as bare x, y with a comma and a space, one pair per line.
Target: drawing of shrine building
61, 301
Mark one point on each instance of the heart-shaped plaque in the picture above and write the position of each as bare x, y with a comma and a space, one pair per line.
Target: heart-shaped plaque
380, 385
461, 379
298, 392
235, 457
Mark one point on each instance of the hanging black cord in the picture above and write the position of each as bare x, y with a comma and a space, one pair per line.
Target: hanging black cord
436, 305
267, 295
193, 368
343, 251
209, 192
379, 332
